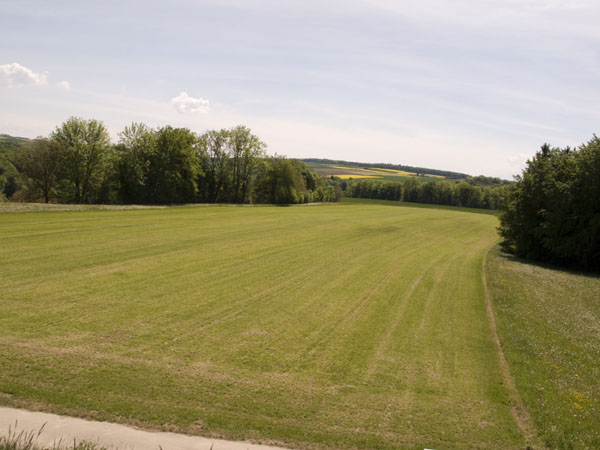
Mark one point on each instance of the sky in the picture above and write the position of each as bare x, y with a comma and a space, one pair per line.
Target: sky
469, 86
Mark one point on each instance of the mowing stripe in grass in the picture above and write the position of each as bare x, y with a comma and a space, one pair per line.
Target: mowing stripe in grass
339, 326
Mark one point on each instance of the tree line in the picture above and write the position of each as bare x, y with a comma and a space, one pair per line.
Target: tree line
470, 192
78, 163
552, 212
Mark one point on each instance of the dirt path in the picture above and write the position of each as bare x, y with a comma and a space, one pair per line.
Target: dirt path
110, 434
518, 409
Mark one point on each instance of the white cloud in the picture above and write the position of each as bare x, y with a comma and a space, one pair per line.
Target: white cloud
64, 85
186, 104
16, 75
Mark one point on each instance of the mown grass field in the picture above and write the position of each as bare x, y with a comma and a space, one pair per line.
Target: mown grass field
549, 325
333, 326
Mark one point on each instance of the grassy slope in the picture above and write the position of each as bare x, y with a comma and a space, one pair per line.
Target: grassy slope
549, 325
316, 326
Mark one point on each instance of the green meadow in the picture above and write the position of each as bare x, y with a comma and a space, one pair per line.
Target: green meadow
353, 325
549, 325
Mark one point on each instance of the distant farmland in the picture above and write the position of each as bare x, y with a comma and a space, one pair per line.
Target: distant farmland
346, 173
352, 325
388, 172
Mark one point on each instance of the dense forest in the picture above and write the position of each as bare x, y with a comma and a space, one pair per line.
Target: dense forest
470, 192
77, 163
552, 212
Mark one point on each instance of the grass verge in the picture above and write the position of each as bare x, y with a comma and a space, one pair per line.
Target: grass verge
549, 325
28, 440
17, 207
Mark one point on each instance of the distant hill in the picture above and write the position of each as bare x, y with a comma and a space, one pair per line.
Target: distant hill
349, 170
7, 141
396, 167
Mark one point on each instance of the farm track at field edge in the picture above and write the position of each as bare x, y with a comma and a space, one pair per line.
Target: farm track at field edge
518, 408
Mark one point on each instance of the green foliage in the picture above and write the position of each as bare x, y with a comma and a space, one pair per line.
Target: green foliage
10, 180
481, 180
163, 166
552, 213
280, 182
85, 158
286, 181
247, 150
136, 143
172, 167
12, 142
374, 189
463, 193
214, 153
468, 195
40, 164
411, 190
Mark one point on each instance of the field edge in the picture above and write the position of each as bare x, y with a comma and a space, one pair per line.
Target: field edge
517, 407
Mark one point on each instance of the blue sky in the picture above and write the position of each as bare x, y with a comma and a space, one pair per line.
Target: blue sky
470, 86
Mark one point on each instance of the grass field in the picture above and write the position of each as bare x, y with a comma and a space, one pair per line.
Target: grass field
400, 204
335, 326
549, 324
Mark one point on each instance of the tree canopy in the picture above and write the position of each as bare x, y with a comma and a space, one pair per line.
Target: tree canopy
85, 153
78, 164
443, 192
552, 213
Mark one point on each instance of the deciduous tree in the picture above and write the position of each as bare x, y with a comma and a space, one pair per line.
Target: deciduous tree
172, 167
552, 213
40, 165
85, 158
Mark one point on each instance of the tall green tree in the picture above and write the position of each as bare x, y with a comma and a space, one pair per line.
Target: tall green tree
136, 143
214, 153
9, 174
246, 152
468, 195
85, 158
173, 167
445, 193
552, 213
586, 195
428, 192
280, 183
40, 165
411, 190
